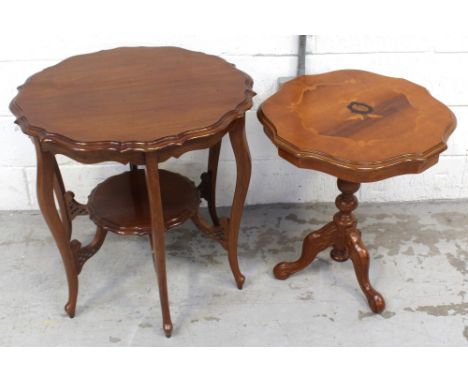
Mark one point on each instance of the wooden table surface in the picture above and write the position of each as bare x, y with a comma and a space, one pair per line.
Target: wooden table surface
132, 98
139, 106
357, 125
360, 127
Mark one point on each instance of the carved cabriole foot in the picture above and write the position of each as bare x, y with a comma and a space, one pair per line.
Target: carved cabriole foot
345, 238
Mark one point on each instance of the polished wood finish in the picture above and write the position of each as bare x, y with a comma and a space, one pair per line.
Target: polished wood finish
60, 229
356, 125
157, 235
167, 95
120, 204
207, 186
83, 254
360, 127
244, 169
345, 238
137, 106
227, 230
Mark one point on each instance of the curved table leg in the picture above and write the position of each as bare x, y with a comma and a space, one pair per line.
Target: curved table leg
345, 238
244, 168
46, 170
59, 189
213, 159
157, 236
313, 243
360, 258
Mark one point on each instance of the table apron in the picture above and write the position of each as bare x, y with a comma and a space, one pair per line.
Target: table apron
88, 156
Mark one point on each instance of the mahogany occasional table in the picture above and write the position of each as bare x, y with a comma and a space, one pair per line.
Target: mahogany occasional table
140, 106
360, 127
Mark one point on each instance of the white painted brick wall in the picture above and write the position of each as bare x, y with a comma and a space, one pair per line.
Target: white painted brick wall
438, 63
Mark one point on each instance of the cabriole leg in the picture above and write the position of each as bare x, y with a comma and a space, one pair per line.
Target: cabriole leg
157, 236
244, 168
313, 243
61, 231
213, 159
346, 240
360, 258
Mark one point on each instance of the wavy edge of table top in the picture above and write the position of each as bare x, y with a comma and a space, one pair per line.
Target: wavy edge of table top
359, 172
180, 139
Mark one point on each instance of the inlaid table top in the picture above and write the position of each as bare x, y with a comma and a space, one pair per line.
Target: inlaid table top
357, 125
138, 98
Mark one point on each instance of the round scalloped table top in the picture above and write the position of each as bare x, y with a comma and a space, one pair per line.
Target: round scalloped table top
357, 125
132, 98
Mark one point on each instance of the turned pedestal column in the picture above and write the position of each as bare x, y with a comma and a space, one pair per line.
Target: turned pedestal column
359, 127
346, 241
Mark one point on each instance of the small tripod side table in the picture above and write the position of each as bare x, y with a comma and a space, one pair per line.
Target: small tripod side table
139, 106
360, 127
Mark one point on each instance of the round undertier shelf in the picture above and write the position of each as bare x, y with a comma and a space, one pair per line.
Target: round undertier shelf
120, 203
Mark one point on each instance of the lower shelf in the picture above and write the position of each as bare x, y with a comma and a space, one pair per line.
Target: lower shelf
120, 203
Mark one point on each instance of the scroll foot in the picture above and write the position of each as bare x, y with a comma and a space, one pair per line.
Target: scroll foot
283, 270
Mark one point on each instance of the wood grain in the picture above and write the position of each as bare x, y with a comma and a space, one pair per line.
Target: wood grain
346, 241
157, 235
357, 125
161, 95
120, 204
140, 106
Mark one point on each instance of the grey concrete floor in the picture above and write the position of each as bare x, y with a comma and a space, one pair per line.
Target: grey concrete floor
419, 255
